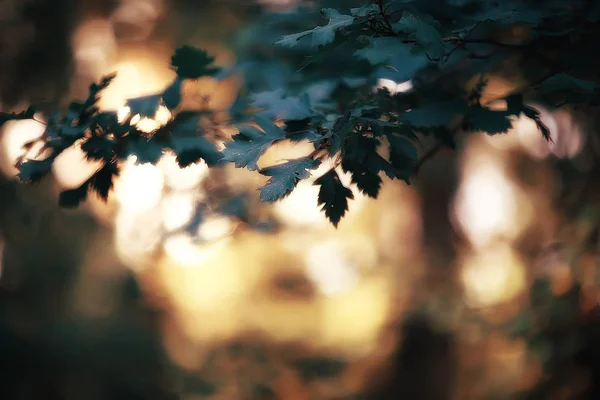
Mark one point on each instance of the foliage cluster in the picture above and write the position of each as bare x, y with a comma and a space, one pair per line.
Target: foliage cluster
318, 83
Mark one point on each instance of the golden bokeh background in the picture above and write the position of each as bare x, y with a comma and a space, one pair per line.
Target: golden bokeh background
461, 249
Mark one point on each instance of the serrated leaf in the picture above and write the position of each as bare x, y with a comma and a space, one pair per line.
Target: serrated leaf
103, 180
171, 97
74, 197
489, 121
333, 196
320, 35
193, 63
27, 114
145, 106
250, 143
275, 104
285, 177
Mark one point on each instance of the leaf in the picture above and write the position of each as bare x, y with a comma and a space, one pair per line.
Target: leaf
34, 170
27, 114
434, 114
102, 181
561, 82
333, 196
190, 146
146, 150
250, 143
340, 131
321, 35
98, 148
285, 177
275, 104
192, 63
403, 156
489, 121
424, 30
145, 106
172, 95
191, 149
72, 198
397, 60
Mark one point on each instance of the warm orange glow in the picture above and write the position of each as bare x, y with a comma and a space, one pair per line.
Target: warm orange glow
177, 210
493, 276
140, 186
71, 168
177, 178
15, 135
488, 205
94, 48
394, 87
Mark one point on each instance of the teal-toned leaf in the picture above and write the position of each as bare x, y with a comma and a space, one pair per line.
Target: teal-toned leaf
424, 30
189, 143
275, 104
403, 156
34, 170
171, 97
192, 63
398, 60
250, 143
561, 82
145, 106
146, 150
321, 35
434, 114
333, 196
285, 177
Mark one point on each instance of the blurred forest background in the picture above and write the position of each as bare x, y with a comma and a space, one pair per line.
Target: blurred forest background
479, 281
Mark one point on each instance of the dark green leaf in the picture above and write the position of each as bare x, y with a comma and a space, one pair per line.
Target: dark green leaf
192, 63
144, 106
102, 181
34, 170
172, 95
285, 177
72, 198
333, 196
321, 35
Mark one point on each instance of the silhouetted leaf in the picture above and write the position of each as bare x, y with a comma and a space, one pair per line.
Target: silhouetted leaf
74, 197
145, 106
333, 196
102, 181
192, 63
